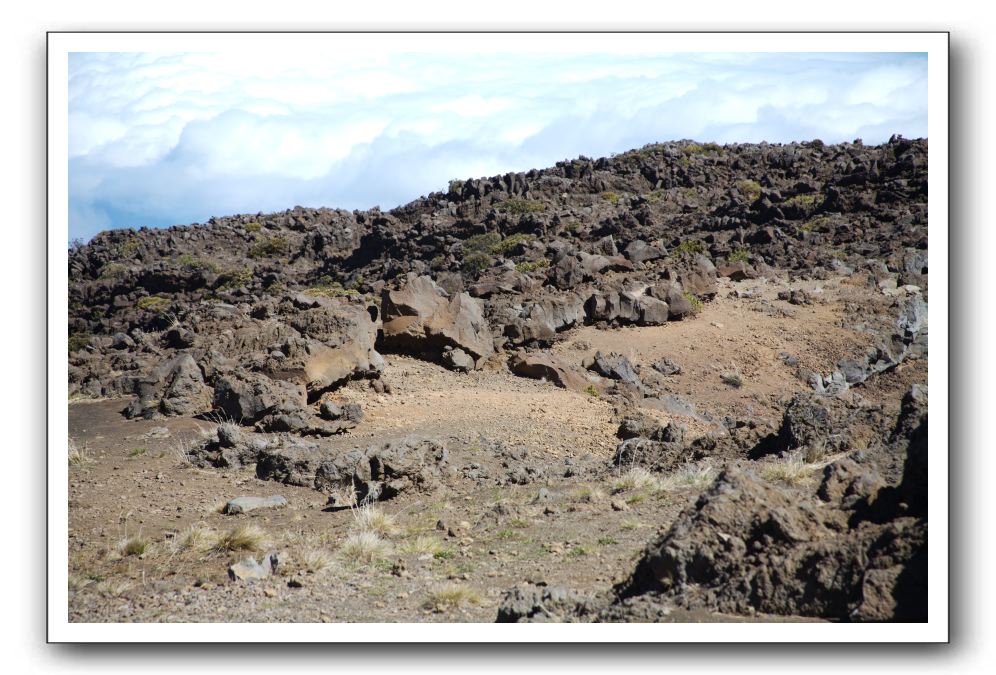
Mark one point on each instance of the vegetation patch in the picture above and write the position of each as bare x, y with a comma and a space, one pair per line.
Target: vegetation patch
750, 189
78, 341
451, 596
527, 266
246, 537
688, 247
510, 242
739, 255
803, 200
113, 270
231, 279
252, 227
696, 304
477, 262
332, 289
189, 262
269, 247
610, 197
520, 206
153, 303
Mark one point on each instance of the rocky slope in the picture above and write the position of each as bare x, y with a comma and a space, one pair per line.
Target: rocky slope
271, 324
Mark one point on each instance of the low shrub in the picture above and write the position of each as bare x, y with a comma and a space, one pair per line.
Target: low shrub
520, 206
269, 247
688, 247
153, 303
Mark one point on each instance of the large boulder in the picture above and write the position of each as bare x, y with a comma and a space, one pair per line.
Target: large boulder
385, 471
175, 387
336, 345
546, 366
420, 319
247, 397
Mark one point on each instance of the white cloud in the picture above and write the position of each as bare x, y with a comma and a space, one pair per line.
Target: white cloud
157, 139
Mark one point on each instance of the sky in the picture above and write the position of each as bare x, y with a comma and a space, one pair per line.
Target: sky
158, 139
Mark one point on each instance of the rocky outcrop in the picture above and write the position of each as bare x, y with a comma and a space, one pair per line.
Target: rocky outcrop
419, 318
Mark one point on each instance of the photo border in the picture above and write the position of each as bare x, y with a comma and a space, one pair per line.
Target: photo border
935, 630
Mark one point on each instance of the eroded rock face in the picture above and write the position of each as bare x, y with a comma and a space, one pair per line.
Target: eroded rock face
420, 319
383, 472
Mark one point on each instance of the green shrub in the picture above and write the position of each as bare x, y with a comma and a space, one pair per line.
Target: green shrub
531, 265
739, 255
750, 189
230, 279
153, 303
330, 289
253, 227
591, 391
803, 200
269, 247
654, 197
702, 149
78, 341
611, 197
694, 302
477, 262
818, 223
438, 263
189, 262
519, 206
510, 242
482, 243
129, 248
113, 269
689, 247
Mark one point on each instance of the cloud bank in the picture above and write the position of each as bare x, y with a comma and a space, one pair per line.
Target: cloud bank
161, 139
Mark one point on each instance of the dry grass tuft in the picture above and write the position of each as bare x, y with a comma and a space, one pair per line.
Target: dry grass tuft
688, 477
423, 543
247, 537
134, 545
636, 478
113, 588
370, 518
451, 596
196, 539
365, 548
79, 456
793, 470
316, 560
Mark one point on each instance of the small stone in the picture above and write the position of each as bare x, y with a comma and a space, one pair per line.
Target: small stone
246, 504
270, 592
248, 570
295, 583
619, 505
